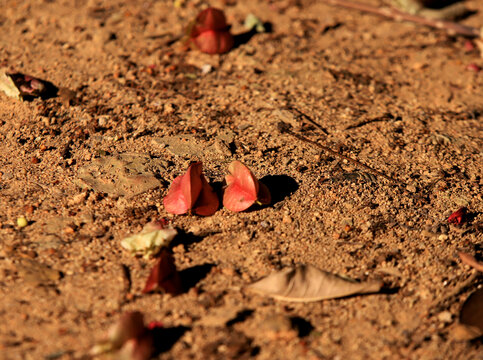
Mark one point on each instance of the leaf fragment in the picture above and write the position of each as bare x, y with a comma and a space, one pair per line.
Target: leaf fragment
306, 283
458, 217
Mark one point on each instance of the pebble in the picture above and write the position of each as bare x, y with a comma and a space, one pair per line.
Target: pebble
445, 317
287, 219
443, 237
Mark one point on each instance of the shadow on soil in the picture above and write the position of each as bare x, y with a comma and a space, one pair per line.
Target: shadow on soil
191, 276
280, 186
165, 338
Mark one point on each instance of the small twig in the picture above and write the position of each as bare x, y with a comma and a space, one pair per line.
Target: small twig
450, 27
285, 128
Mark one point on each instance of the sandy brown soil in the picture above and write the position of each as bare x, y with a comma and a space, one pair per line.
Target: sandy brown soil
396, 96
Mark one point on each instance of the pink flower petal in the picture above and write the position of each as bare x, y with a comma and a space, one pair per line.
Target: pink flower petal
184, 191
164, 276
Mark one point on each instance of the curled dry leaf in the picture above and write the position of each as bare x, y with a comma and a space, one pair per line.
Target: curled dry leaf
470, 260
458, 217
150, 240
191, 193
471, 318
243, 189
164, 276
210, 33
306, 283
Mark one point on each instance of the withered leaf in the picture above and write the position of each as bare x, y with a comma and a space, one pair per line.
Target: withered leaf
307, 283
471, 317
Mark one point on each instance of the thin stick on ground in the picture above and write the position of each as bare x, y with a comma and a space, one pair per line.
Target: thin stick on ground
285, 128
450, 27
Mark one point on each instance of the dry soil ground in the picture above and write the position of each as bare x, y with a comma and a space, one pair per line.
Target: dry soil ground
396, 96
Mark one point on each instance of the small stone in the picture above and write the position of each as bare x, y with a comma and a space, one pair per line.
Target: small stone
22, 222
287, 219
445, 317
443, 237
411, 188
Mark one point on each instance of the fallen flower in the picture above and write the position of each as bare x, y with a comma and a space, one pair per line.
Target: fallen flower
150, 240
307, 283
458, 217
210, 33
128, 339
191, 193
164, 276
243, 189
18, 85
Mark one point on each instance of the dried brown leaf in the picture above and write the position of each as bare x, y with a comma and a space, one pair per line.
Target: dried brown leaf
471, 317
306, 283
470, 260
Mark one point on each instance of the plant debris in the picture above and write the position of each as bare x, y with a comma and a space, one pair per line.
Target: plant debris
210, 33
191, 193
306, 283
20, 86
164, 277
150, 240
470, 260
243, 189
471, 317
128, 339
458, 217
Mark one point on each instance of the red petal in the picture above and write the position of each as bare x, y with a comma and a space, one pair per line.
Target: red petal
164, 276
214, 42
458, 217
207, 202
184, 191
211, 19
129, 326
242, 187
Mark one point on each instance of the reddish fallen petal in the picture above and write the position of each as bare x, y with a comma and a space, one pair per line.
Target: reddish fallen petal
473, 67
129, 326
184, 191
210, 33
210, 19
141, 348
469, 46
207, 202
242, 187
214, 42
155, 325
164, 276
470, 260
458, 217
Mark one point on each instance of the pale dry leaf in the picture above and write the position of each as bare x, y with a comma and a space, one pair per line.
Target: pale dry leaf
8, 86
149, 243
307, 283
